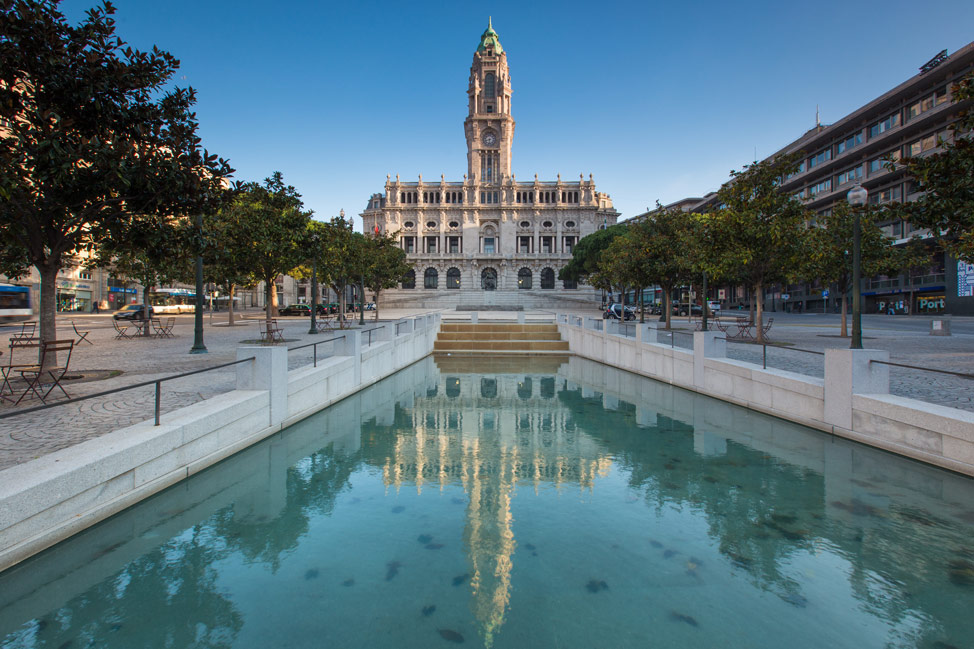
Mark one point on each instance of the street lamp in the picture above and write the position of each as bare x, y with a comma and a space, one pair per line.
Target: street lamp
857, 197
316, 242
198, 346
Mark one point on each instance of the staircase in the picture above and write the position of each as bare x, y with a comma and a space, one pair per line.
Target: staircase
499, 338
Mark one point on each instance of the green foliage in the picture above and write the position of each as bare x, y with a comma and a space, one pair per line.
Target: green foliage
587, 253
96, 142
386, 265
759, 232
947, 178
273, 228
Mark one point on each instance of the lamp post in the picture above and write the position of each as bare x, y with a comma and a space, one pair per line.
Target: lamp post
198, 346
316, 242
857, 197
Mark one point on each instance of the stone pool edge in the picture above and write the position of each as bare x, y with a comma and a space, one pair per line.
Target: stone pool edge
852, 402
55, 496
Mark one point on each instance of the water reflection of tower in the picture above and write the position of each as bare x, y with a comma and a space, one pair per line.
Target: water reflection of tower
487, 434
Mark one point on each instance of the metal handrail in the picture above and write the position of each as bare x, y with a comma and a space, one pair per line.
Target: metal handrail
369, 331
314, 361
156, 382
764, 349
925, 369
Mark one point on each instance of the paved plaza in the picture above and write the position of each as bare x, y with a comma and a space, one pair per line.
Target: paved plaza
108, 364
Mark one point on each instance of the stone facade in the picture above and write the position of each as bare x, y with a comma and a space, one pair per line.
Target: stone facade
488, 240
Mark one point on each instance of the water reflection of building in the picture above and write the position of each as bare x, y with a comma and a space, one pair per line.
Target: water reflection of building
488, 434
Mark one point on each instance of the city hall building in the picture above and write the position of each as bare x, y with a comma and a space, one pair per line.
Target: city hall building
488, 240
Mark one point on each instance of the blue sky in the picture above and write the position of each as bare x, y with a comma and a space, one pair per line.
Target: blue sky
656, 100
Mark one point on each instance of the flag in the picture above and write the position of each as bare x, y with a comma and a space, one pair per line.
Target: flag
376, 229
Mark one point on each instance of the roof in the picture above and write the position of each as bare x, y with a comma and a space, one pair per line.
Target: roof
490, 39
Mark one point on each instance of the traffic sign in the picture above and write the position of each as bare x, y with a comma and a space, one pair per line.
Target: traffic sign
785, 296
825, 293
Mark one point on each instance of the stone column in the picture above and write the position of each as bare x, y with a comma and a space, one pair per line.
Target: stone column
646, 332
848, 372
268, 371
706, 344
351, 345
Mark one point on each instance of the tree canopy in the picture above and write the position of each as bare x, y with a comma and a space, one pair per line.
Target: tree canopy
95, 142
587, 253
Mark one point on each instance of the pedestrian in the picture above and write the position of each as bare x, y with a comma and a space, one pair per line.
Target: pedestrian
95, 309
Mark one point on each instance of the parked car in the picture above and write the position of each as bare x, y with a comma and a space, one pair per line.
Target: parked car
132, 312
615, 310
296, 309
681, 309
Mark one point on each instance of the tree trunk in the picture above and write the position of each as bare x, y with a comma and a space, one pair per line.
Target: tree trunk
845, 331
642, 307
273, 302
145, 310
230, 305
268, 313
750, 306
759, 311
48, 311
375, 298
667, 308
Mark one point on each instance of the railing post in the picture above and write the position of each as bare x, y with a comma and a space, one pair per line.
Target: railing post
646, 332
158, 399
849, 372
268, 371
351, 345
474, 317
520, 317
612, 327
706, 344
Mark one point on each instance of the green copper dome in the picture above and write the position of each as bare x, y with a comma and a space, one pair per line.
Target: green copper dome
490, 39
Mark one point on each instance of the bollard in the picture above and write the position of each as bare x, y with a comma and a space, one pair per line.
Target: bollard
940, 326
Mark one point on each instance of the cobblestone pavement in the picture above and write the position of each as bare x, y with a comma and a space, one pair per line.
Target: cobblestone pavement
31, 435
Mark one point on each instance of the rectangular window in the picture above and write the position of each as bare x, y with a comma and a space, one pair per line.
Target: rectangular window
824, 186
488, 198
432, 243
820, 158
546, 245
569, 244
454, 244
524, 245
489, 245
850, 175
409, 244
848, 143
881, 127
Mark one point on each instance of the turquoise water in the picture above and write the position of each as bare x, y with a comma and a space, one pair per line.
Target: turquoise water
533, 504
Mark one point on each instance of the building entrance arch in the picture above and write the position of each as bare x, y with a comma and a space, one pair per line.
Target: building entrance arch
488, 279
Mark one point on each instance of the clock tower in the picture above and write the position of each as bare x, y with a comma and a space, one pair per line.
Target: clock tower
489, 127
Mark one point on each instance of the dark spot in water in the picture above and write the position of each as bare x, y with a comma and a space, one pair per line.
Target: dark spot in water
669, 466
786, 519
460, 579
919, 518
596, 585
656, 544
709, 478
42, 624
433, 546
528, 546
943, 645
857, 538
392, 569
676, 459
697, 561
398, 509
348, 582
669, 553
67, 643
458, 501
817, 516
961, 572
794, 599
614, 546
105, 551
740, 560
311, 574
857, 508
116, 627
534, 554
451, 635
261, 518
424, 538
429, 610
680, 617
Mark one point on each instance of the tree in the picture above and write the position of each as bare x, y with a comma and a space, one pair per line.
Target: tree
93, 142
275, 224
587, 253
663, 239
227, 241
829, 251
339, 263
947, 179
386, 265
761, 230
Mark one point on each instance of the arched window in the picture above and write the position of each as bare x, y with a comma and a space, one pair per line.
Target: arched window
488, 279
524, 388
409, 279
453, 387
430, 278
489, 89
524, 278
547, 278
488, 388
453, 278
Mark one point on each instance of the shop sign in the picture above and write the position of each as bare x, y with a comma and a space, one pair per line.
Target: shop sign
116, 289
63, 283
965, 279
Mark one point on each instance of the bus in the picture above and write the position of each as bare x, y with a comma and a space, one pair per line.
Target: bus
15, 303
172, 301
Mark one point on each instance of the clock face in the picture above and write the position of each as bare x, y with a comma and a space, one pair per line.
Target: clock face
489, 139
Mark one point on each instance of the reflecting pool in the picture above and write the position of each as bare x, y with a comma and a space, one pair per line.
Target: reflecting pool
522, 503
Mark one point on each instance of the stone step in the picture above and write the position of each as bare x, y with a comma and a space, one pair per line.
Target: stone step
497, 327
499, 335
501, 345
506, 363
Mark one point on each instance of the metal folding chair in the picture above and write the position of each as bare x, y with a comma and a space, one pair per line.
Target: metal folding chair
34, 373
82, 335
120, 331
11, 367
